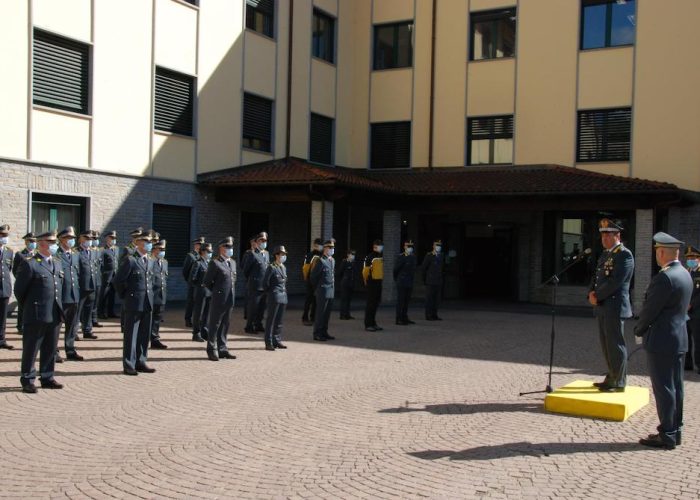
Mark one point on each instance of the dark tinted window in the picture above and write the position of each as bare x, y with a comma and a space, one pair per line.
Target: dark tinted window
393, 46
323, 37
490, 140
260, 16
174, 102
257, 123
607, 23
604, 135
321, 139
391, 145
492, 34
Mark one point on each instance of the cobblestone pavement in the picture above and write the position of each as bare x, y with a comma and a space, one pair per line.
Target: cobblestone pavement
430, 410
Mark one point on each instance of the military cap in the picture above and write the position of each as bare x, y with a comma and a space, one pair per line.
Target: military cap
279, 249
110, 234
377, 242
198, 239
206, 247
318, 241
329, 244
351, 251
161, 244
29, 236
609, 226
136, 233
262, 235
86, 234
226, 242
691, 251
664, 240
68, 232
47, 236
408, 243
438, 241
95, 234
5, 229
146, 236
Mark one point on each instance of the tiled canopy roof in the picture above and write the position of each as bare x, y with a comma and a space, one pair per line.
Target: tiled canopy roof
509, 180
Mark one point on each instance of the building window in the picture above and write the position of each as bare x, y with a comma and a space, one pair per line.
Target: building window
61, 69
492, 34
260, 16
257, 123
604, 135
490, 140
321, 139
174, 102
51, 211
393, 46
172, 222
607, 23
323, 37
391, 145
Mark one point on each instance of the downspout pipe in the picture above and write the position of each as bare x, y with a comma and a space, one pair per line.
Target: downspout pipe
431, 132
289, 83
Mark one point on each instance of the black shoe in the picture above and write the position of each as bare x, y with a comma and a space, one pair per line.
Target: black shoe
145, 369
350, 317
308, 323
688, 368
410, 322
130, 371
655, 441
343, 317
249, 330
259, 329
74, 356
97, 324
212, 356
280, 345
157, 344
600, 384
370, 328
90, 336
101, 316
678, 438
6, 346
402, 322
51, 384
607, 388
430, 319
329, 337
379, 328
269, 348
437, 318
188, 324
77, 338
226, 355
320, 339
112, 315
58, 358
29, 389
197, 338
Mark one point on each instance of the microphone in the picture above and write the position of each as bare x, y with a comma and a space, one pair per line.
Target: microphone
583, 254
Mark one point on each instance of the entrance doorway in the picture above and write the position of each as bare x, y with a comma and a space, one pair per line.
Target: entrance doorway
489, 262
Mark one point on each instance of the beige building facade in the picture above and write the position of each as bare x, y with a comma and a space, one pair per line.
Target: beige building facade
506, 128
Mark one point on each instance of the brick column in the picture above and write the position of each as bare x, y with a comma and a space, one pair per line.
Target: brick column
391, 235
321, 220
643, 256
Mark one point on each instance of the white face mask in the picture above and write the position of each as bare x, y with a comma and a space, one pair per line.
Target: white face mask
318, 248
438, 249
283, 259
4, 240
409, 250
379, 248
351, 258
262, 245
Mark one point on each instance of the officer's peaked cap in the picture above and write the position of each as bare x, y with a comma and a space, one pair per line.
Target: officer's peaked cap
665, 240
609, 226
68, 232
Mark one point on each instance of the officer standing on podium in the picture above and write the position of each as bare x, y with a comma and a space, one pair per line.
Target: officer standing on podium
609, 294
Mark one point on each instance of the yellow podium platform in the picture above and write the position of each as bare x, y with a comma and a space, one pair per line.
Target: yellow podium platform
582, 399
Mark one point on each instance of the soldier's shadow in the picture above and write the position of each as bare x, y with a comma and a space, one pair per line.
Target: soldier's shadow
468, 408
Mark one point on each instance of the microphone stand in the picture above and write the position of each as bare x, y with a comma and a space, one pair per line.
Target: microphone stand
554, 280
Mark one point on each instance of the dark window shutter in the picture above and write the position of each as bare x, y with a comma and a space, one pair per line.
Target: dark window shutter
604, 135
257, 118
391, 145
174, 106
173, 224
264, 6
321, 139
491, 127
60, 72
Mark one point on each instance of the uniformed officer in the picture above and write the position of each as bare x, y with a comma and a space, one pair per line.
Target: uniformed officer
71, 291
201, 295
108, 269
87, 281
404, 272
186, 271
26, 253
134, 284
346, 282
373, 275
432, 272
221, 281
310, 258
609, 293
254, 272
323, 280
247, 255
275, 284
39, 286
129, 249
692, 262
6, 261
160, 287
662, 324
96, 255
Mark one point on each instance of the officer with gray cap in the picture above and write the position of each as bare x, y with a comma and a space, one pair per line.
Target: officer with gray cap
88, 283
6, 260
40, 283
96, 254
404, 272
221, 281
254, 272
160, 295
692, 261
201, 295
323, 280
662, 324
27, 252
275, 284
108, 269
190, 258
609, 294
432, 271
71, 291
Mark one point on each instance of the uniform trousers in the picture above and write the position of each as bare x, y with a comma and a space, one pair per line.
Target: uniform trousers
137, 332
612, 342
200, 314
87, 299
95, 304
189, 304
219, 321
20, 315
70, 312
256, 309
693, 354
432, 300
309, 304
403, 296
374, 296
3, 319
40, 338
666, 373
273, 322
324, 307
345, 297
105, 306
158, 310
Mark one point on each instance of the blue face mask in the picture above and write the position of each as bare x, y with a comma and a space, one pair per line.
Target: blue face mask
263, 245
409, 250
438, 249
208, 256
31, 245
53, 248
148, 247
283, 259
70, 243
85, 244
4, 240
229, 252
692, 263
114, 242
162, 254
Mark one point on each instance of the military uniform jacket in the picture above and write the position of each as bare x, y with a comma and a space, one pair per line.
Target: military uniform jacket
127, 251
71, 273
432, 268
275, 283
323, 277
6, 261
88, 275
662, 320
611, 282
405, 270
196, 279
189, 261
346, 274
109, 264
221, 280
96, 258
39, 287
134, 283
19, 257
255, 268
694, 311
160, 281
